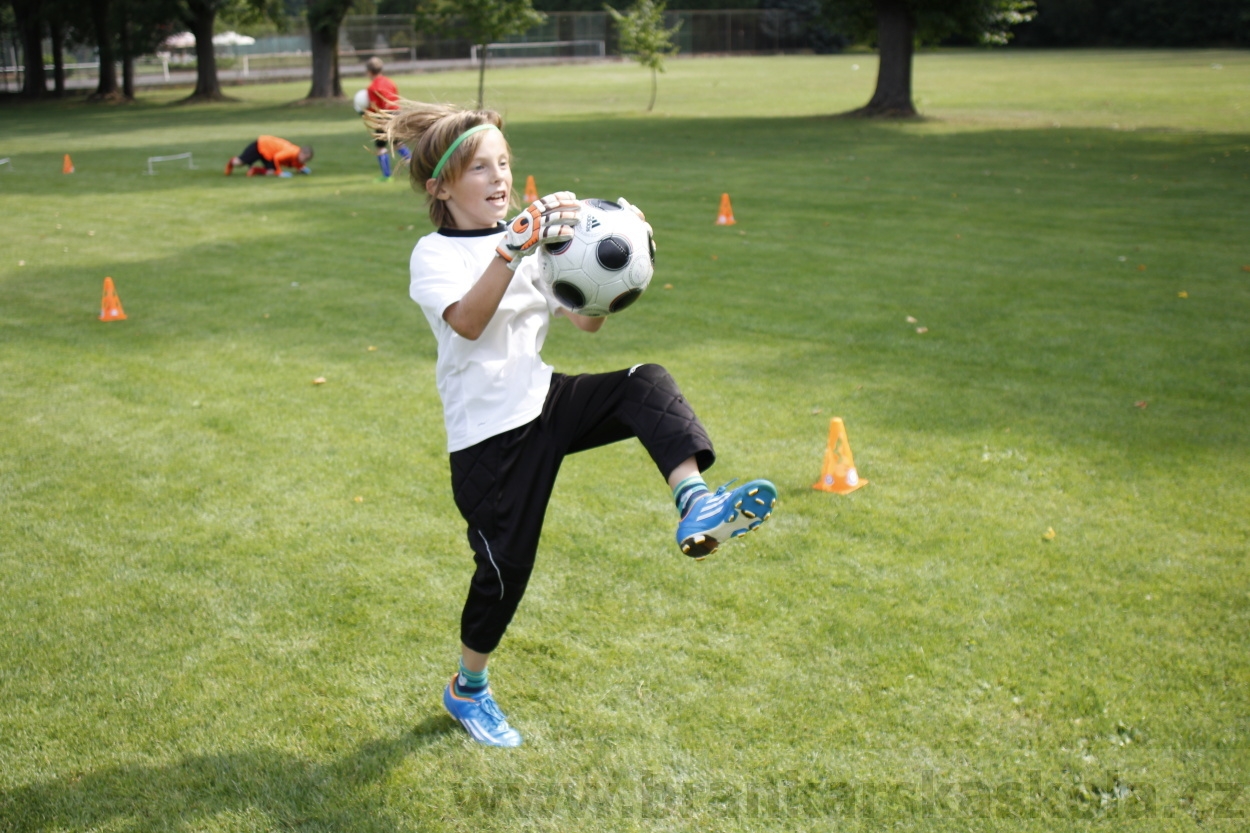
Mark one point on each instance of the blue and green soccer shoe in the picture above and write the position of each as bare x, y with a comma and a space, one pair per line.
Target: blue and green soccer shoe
480, 716
714, 518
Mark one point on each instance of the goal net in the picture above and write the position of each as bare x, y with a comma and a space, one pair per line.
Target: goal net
543, 49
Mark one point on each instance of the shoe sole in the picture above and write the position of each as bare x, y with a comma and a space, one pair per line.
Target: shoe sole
757, 509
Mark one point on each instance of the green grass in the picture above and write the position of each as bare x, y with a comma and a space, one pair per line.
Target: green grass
229, 598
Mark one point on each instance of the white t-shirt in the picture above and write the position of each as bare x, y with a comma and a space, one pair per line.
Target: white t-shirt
498, 382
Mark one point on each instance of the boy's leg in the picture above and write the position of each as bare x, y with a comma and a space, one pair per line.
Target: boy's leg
645, 402
250, 156
384, 157
501, 487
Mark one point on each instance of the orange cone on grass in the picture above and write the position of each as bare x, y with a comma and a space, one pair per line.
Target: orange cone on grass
726, 215
531, 190
838, 474
67, 167
111, 305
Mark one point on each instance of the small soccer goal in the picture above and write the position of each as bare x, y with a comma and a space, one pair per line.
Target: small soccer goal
153, 160
7, 161
543, 49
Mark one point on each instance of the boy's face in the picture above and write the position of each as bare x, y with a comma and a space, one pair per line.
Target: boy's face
480, 197
304, 156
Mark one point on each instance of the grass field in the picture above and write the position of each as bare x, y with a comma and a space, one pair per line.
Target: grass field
229, 597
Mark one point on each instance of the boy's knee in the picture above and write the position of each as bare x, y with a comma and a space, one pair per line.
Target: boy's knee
649, 377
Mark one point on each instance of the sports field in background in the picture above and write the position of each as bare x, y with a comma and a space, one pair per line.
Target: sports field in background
229, 597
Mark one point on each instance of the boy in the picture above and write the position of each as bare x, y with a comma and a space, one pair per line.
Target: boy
510, 418
273, 153
383, 96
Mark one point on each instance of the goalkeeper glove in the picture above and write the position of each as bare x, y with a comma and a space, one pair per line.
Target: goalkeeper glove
551, 219
624, 203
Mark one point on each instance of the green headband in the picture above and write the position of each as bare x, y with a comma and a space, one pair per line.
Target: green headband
438, 169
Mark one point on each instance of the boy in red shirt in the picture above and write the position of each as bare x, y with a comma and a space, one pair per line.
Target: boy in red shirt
274, 153
383, 95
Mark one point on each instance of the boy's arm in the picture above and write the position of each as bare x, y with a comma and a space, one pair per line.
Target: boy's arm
290, 158
548, 220
470, 315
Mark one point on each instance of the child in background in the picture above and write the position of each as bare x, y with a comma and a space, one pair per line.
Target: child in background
273, 153
510, 418
383, 96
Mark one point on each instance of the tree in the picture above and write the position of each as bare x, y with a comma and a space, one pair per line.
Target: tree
897, 25
102, 28
643, 35
480, 22
324, 19
200, 17
140, 26
56, 30
29, 17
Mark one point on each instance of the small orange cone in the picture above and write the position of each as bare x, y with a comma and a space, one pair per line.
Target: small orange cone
111, 306
531, 190
726, 216
67, 167
838, 473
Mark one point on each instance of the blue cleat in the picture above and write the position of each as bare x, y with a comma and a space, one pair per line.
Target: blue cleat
714, 518
480, 716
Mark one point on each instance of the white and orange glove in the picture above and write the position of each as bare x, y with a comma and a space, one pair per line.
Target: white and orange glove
551, 219
626, 204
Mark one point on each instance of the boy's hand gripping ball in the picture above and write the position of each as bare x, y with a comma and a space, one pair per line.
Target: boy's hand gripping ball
626, 204
552, 219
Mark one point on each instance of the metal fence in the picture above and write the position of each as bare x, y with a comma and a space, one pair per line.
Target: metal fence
700, 32
395, 37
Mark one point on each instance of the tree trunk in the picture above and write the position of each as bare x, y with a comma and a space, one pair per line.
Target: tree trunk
325, 17
325, 63
895, 46
30, 23
207, 87
106, 88
58, 57
128, 63
654, 83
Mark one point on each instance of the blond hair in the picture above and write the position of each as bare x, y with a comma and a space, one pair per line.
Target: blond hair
427, 130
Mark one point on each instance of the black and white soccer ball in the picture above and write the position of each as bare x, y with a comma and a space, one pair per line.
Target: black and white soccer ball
606, 266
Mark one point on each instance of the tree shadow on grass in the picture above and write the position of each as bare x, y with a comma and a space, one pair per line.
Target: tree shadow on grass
289, 791
137, 117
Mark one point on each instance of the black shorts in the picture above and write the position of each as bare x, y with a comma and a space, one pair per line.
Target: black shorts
502, 485
251, 155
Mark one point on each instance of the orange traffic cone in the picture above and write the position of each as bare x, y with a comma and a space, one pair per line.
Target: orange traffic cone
531, 190
67, 167
838, 474
726, 216
111, 306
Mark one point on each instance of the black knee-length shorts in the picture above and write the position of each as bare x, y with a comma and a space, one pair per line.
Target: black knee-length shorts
502, 485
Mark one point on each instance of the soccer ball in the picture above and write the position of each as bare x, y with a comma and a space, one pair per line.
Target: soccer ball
606, 266
360, 101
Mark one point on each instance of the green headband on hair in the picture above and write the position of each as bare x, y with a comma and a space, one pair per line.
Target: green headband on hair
438, 169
